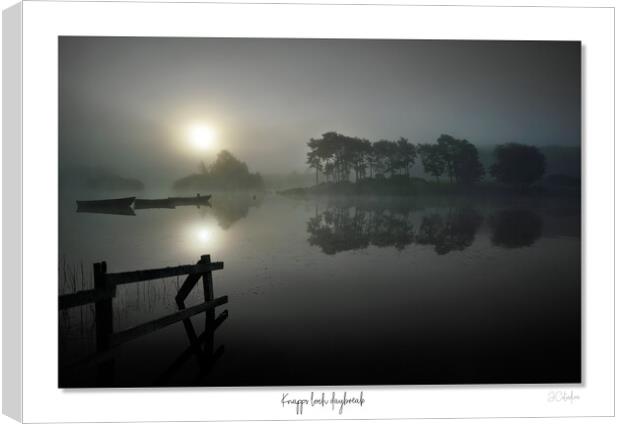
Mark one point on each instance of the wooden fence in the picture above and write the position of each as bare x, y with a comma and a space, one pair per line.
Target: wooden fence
104, 292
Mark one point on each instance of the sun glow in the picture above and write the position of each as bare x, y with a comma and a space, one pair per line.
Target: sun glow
204, 235
202, 136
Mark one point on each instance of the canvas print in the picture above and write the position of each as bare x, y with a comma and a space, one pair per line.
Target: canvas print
318, 212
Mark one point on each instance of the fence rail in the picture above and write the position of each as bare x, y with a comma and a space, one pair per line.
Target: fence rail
105, 291
84, 297
153, 274
112, 280
149, 327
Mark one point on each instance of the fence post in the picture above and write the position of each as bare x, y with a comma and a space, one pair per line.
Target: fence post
207, 279
103, 308
103, 323
184, 291
207, 284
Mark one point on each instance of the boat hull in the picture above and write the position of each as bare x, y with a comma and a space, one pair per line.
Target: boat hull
106, 210
124, 202
153, 204
190, 201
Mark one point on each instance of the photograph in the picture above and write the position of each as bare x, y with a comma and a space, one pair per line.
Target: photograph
251, 212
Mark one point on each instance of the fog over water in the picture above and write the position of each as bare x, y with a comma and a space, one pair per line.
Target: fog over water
125, 103
341, 291
387, 263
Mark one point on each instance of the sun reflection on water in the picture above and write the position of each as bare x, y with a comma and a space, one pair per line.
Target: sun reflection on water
205, 235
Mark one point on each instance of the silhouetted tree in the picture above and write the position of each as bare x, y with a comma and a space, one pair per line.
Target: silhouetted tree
314, 161
517, 164
335, 149
329, 171
406, 154
449, 149
227, 164
460, 158
432, 159
372, 159
468, 168
226, 173
386, 154
339, 156
202, 167
359, 150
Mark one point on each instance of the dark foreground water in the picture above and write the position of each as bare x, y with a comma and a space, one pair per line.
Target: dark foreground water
336, 292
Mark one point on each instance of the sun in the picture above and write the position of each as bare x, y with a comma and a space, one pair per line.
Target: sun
204, 235
202, 136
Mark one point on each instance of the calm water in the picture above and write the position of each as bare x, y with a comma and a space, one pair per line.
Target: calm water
340, 291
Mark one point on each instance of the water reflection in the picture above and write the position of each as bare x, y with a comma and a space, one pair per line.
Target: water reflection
228, 209
204, 234
284, 254
340, 229
452, 230
345, 228
513, 228
202, 348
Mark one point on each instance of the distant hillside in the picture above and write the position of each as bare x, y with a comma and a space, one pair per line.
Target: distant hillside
98, 180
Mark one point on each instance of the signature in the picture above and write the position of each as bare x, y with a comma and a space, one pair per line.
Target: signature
322, 400
562, 396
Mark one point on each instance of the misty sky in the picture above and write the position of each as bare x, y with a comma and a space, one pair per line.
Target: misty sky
126, 103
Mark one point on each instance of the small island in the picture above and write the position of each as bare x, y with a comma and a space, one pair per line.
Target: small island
227, 173
355, 166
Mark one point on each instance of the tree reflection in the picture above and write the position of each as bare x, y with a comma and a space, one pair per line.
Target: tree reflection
391, 228
228, 209
340, 229
512, 228
454, 230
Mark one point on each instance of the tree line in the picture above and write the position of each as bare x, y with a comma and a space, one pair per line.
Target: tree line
339, 158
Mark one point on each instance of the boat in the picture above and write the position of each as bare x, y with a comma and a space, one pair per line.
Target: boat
107, 210
153, 204
190, 201
124, 202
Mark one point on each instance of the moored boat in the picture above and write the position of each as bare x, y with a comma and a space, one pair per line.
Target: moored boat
107, 210
153, 204
124, 202
190, 201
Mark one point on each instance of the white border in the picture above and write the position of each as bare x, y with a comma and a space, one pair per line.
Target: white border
44, 21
